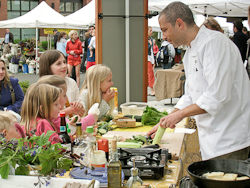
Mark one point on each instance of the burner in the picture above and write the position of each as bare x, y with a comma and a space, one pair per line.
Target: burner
150, 162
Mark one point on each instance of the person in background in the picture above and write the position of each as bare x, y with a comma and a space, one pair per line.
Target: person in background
217, 87
92, 44
74, 49
52, 62
240, 39
155, 50
7, 126
9, 90
61, 43
151, 64
56, 34
59, 82
96, 89
245, 31
84, 58
90, 60
8, 38
211, 23
171, 51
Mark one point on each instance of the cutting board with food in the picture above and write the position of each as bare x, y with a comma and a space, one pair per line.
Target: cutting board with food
171, 141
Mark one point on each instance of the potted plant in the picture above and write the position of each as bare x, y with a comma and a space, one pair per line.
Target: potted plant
15, 63
33, 153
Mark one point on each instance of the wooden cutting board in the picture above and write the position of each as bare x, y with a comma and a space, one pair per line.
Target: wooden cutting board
170, 141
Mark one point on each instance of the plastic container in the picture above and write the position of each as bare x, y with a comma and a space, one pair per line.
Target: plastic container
98, 159
31, 68
133, 108
15, 68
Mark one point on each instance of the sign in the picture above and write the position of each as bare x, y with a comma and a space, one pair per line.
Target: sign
50, 30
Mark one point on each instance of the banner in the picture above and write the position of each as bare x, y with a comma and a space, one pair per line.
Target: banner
50, 30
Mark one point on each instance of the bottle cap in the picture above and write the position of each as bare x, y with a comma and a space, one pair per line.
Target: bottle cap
78, 123
103, 144
90, 129
62, 114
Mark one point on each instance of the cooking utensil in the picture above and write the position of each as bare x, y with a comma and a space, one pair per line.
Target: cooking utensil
197, 169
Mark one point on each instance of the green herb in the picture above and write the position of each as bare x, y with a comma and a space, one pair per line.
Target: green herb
151, 116
35, 152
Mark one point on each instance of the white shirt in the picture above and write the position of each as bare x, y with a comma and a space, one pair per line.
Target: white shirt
72, 90
92, 42
218, 83
151, 57
103, 106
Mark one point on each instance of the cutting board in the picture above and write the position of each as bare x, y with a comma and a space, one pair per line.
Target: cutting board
170, 141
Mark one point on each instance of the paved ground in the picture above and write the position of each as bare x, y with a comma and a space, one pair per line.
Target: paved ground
161, 105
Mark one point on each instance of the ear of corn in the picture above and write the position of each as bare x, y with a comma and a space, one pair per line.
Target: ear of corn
158, 135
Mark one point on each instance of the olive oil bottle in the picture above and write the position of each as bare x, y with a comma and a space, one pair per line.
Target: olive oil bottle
114, 168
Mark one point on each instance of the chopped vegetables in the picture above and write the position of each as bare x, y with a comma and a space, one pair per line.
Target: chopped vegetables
104, 127
152, 116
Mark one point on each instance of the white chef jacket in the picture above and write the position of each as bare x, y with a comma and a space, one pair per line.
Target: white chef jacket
217, 82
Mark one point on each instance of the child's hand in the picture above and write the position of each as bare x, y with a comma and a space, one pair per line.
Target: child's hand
75, 119
110, 94
78, 108
77, 105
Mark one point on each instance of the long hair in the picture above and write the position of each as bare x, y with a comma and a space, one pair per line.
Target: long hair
61, 36
37, 103
211, 23
53, 80
93, 78
6, 76
48, 58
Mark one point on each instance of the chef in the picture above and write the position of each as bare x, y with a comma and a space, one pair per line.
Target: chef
217, 89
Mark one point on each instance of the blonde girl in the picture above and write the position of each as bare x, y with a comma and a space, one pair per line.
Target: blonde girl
7, 125
59, 82
96, 89
40, 107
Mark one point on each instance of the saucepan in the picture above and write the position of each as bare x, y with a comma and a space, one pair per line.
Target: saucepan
197, 169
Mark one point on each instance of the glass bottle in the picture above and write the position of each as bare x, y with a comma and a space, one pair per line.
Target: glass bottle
79, 137
114, 168
63, 132
134, 181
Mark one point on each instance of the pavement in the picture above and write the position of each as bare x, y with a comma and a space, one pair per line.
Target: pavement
163, 105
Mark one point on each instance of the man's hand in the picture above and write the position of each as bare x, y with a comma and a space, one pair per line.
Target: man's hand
171, 119
110, 94
152, 132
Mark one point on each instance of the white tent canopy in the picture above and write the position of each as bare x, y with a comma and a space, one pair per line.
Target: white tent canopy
224, 8
42, 16
85, 15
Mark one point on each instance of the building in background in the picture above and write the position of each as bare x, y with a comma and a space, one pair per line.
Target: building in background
10, 9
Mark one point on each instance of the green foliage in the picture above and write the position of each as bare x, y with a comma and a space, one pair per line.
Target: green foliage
44, 45
151, 116
24, 85
16, 41
30, 152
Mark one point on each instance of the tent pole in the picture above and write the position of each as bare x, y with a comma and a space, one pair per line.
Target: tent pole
36, 42
127, 50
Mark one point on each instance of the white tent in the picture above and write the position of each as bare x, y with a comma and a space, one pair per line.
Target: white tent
42, 16
224, 8
85, 15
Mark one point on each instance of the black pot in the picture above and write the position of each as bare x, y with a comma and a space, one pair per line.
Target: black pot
197, 169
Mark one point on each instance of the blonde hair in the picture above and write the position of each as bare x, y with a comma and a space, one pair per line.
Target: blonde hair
53, 80
6, 76
211, 23
7, 119
71, 33
37, 103
93, 78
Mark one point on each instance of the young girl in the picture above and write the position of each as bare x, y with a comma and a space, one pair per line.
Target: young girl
96, 89
7, 125
52, 62
59, 82
40, 107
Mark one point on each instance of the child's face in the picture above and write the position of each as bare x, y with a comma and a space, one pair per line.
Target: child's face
12, 133
63, 98
2, 71
59, 68
106, 83
55, 109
